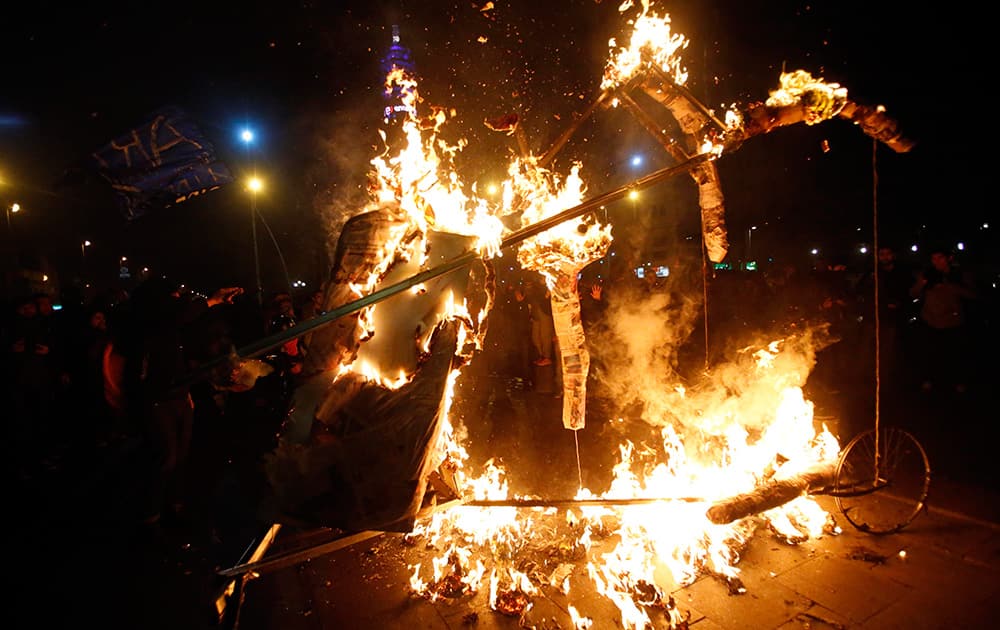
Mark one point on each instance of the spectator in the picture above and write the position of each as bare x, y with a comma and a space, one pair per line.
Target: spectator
31, 388
943, 290
536, 296
312, 308
156, 362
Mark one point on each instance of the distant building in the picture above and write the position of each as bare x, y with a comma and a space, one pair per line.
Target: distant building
398, 56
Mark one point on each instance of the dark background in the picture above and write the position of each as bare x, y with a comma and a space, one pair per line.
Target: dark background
306, 77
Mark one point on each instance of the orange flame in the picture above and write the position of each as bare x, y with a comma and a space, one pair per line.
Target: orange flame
652, 42
710, 446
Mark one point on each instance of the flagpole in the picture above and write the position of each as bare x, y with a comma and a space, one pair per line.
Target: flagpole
254, 185
277, 248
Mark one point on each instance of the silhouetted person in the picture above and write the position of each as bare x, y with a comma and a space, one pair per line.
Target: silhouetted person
943, 290
156, 365
543, 333
31, 388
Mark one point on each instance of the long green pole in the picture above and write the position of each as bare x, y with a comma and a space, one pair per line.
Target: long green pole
272, 341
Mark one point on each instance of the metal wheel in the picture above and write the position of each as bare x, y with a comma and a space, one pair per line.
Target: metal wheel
882, 480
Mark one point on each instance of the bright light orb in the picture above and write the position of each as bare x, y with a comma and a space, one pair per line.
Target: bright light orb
636, 160
633, 195
15, 207
247, 136
255, 184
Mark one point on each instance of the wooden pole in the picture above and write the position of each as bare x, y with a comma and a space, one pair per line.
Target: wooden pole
273, 341
561, 503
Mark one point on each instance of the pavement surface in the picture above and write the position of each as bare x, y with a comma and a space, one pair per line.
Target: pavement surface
81, 558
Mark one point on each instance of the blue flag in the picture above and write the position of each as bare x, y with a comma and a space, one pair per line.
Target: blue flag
162, 162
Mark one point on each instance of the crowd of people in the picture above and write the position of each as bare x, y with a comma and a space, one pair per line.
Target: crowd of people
115, 370
928, 318
120, 374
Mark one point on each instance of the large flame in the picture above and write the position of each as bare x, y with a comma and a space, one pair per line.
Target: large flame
821, 100
708, 446
767, 431
652, 42
422, 179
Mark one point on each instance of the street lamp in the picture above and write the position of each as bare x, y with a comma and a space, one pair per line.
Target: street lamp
13, 208
750, 241
83, 248
255, 185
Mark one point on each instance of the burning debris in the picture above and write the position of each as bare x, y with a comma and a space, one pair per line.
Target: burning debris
864, 554
559, 255
370, 425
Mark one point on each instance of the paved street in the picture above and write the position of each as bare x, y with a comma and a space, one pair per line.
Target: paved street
948, 578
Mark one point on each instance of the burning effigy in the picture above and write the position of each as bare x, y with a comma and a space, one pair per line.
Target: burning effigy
370, 424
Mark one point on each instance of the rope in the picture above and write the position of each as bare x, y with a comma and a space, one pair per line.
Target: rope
878, 323
579, 469
704, 290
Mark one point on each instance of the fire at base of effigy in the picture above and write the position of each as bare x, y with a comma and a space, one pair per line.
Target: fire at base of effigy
720, 459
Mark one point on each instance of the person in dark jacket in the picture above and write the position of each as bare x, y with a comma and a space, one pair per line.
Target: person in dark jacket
156, 364
944, 290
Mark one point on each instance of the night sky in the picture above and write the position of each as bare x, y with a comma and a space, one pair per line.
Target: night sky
306, 77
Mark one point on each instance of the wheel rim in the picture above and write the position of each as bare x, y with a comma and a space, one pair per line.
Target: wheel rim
882, 480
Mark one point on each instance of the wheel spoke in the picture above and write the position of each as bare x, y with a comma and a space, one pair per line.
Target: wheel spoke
884, 494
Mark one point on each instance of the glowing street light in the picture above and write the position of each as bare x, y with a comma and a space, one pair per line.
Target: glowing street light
633, 195
83, 248
13, 208
636, 161
254, 184
246, 136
